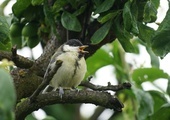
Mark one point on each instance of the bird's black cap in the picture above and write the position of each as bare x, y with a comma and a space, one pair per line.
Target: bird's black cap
74, 42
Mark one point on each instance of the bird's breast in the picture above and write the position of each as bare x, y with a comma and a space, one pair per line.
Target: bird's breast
71, 72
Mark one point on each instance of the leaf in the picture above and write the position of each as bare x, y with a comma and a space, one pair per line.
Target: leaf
101, 33
160, 41
19, 7
110, 15
30, 117
80, 10
49, 118
153, 57
145, 33
156, 3
106, 5
119, 62
145, 103
158, 98
37, 2
162, 113
168, 88
70, 22
48, 12
4, 34
150, 12
123, 36
129, 20
57, 111
99, 59
6, 47
148, 74
125, 42
8, 96
58, 5
97, 2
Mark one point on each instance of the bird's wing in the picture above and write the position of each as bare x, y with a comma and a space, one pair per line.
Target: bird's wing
53, 66
53, 63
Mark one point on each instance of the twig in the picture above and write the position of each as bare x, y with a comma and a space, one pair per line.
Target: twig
104, 88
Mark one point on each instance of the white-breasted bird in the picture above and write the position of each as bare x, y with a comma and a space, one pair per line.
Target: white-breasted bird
71, 64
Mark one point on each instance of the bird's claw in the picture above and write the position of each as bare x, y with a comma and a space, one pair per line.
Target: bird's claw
61, 92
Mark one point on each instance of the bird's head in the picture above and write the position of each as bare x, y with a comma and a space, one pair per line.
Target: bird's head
75, 45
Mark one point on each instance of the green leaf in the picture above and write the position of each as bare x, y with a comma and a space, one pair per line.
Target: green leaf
119, 62
19, 7
4, 34
48, 12
168, 88
57, 111
97, 2
150, 12
148, 74
160, 41
6, 47
4, 30
125, 42
8, 96
75, 4
30, 117
153, 57
145, 33
156, 3
162, 113
80, 10
70, 22
99, 59
110, 15
123, 36
158, 98
49, 118
58, 5
106, 5
129, 20
101, 33
145, 103
37, 2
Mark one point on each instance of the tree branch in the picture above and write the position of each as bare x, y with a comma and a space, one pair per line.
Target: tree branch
70, 97
104, 88
19, 61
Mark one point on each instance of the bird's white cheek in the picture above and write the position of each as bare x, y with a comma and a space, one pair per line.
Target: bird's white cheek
69, 48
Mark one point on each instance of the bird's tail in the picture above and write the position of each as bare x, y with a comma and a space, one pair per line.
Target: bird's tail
48, 89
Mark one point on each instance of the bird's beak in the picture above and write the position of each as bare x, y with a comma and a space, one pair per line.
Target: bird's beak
81, 48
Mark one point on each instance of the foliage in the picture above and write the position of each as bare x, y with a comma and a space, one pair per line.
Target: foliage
34, 21
8, 96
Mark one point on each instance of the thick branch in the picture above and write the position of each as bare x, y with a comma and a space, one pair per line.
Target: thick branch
70, 97
19, 61
26, 82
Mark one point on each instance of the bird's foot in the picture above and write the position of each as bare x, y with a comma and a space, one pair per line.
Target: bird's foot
75, 89
61, 92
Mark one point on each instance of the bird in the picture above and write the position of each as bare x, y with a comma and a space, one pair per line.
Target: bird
71, 66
